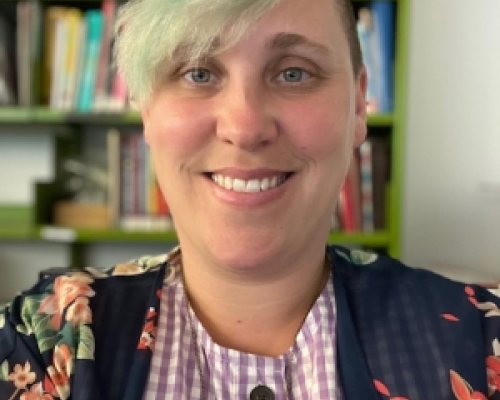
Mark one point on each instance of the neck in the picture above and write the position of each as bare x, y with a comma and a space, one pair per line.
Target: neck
248, 312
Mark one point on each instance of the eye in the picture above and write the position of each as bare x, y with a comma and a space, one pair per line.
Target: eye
294, 75
200, 75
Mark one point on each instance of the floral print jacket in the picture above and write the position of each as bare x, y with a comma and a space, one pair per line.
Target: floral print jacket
403, 334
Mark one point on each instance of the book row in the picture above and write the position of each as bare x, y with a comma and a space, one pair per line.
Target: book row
61, 56
121, 193
362, 202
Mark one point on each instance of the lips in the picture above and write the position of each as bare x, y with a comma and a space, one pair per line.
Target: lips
249, 185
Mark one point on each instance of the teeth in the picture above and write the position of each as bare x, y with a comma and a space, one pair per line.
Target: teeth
251, 186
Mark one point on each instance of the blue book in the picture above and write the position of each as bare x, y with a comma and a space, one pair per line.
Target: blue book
94, 22
368, 49
383, 14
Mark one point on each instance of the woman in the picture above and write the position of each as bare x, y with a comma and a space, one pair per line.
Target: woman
251, 110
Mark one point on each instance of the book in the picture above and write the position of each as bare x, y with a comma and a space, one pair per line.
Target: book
52, 18
383, 15
366, 175
366, 36
7, 72
113, 139
380, 177
134, 198
103, 75
22, 54
376, 31
58, 73
94, 26
75, 30
349, 209
28, 50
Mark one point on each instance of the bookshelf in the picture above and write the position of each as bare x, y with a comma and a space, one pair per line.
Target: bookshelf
22, 221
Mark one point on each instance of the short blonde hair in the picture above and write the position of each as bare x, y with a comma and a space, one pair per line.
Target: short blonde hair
151, 33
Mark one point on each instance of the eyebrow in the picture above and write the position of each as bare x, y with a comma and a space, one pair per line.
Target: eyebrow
285, 41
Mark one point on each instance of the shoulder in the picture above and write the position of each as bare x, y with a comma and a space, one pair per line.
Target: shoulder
365, 264
366, 271
71, 298
61, 318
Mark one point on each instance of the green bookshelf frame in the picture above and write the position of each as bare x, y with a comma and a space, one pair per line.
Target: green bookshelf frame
87, 236
388, 239
44, 115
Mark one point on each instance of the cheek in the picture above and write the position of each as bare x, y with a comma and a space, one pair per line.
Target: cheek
174, 132
323, 136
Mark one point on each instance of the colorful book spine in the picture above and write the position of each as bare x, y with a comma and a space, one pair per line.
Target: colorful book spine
71, 64
365, 33
383, 13
365, 155
94, 21
102, 94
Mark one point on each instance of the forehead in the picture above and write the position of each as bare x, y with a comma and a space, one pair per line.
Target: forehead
312, 24
313, 19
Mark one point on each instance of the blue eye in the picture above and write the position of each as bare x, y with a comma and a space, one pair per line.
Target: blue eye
294, 75
199, 75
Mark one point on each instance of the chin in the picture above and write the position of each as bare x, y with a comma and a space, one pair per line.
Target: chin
246, 256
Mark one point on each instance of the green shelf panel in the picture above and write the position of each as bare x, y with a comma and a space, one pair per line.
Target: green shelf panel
376, 239
15, 212
380, 120
89, 236
18, 234
16, 222
70, 235
43, 115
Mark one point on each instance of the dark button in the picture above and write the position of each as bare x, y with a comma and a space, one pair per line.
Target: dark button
261, 393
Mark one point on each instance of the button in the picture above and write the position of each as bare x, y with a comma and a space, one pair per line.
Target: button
261, 393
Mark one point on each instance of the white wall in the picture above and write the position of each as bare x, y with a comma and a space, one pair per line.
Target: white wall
452, 195
24, 156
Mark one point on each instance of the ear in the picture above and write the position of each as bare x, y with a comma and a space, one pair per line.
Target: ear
146, 122
360, 128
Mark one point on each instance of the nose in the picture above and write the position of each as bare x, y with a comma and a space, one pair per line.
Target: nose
245, 116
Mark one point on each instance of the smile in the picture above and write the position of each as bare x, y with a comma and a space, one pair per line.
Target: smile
249, 186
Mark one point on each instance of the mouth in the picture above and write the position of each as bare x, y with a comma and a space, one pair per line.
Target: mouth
249, 185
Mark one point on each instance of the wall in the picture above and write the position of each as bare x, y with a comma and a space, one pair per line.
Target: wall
452, 194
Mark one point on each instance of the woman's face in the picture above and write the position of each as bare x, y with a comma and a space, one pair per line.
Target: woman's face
251, 144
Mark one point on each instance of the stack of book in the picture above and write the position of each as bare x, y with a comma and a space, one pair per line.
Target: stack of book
362, 201
63, 58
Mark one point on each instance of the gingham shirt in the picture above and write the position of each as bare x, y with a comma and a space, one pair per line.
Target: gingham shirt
231, 374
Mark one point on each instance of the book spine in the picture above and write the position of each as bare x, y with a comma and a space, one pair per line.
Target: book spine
380, 177
58, 60
104, 62
365, 31
87, 83
383, 16
74, 18
22, 54
35, 50
113, 160
365, 154
7, 89
126, 181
